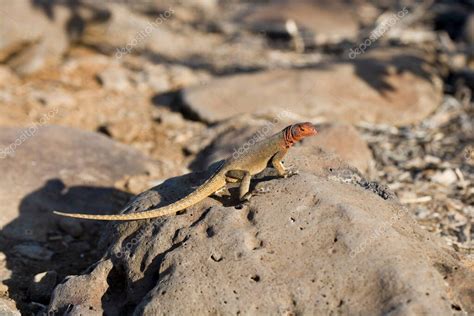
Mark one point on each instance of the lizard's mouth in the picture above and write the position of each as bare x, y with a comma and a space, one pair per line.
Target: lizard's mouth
307, 129
312, 131
299, 131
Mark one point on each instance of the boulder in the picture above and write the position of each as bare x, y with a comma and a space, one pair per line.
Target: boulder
32, 34
124, 32
48, 168
389, 87
320, 21
320, 242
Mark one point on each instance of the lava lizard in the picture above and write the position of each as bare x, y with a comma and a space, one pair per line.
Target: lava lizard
234, 169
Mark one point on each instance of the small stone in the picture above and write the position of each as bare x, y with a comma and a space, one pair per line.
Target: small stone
447, 177
156, 77
42, 286
7, 76
71, 227
33, 251
172, 119
7, 308
115, 78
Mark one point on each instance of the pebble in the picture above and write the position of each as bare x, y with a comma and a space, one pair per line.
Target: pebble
447, 177
115, 79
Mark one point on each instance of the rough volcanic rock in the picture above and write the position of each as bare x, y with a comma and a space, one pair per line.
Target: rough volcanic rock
316, 243
394, 87
342, 139
32, 36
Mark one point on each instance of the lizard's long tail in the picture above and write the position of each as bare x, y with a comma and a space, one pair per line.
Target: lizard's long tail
207, 188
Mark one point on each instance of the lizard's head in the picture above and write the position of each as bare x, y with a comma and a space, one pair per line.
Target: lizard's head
296, 132
302, 130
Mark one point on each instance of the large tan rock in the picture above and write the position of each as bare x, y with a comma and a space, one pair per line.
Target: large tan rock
325, 20
32, 36
393, 87
125, 32
47, 168
316, 243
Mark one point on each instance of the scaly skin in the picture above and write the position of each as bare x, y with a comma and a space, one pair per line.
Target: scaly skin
234, 169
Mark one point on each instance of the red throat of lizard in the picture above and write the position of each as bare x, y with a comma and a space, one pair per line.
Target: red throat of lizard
288, 137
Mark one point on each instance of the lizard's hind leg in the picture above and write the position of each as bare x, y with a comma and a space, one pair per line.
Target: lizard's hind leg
244, 177
244, 193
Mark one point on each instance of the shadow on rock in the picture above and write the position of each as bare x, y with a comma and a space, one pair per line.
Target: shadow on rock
38, 241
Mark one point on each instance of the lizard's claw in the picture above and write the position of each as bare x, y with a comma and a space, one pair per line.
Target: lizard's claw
291, 173
246, 197
224, 191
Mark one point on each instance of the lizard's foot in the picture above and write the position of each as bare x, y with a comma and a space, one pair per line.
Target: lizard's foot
246, 197
291, 173
262, 190
222, 192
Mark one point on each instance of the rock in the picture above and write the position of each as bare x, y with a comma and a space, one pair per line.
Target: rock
156, 77
115, 78
345, 141
42, 286
71, 227
56, 168
7, 308
125, 32
8, 77
447, 177
91, 292
310, 244
28, 47
341, 139
318, 21
391, 87
33, 251
469, 29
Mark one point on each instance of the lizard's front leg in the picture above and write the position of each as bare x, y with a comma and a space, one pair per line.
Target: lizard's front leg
222, 192
278, 165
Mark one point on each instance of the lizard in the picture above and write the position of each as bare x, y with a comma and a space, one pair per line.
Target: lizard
234, 169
